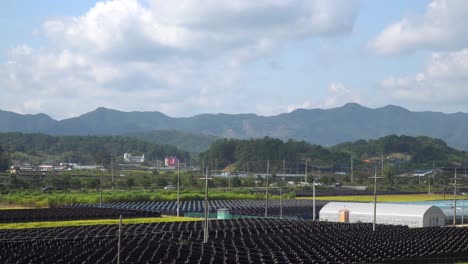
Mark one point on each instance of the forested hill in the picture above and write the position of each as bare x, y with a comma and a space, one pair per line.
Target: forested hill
81, 149
418, 149
254, 154
193, 143
325, 127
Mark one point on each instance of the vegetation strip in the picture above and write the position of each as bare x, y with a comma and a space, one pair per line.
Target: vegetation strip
96, 222
385, 198
39, 199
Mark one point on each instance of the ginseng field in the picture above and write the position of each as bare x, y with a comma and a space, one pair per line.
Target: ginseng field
236, 241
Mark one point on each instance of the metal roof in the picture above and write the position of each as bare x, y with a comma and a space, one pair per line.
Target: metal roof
382, 208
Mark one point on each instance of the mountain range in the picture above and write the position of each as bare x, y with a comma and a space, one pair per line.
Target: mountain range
318, 126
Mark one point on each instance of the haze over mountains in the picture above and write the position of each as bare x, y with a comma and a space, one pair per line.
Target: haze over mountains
318, 126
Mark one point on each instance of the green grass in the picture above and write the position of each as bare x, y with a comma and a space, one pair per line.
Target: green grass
385, 198
96, 222
35, 199
8, 207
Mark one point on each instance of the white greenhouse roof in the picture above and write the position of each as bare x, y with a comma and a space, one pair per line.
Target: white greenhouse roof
382, 208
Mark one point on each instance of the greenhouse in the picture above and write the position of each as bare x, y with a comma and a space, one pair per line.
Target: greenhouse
391, 214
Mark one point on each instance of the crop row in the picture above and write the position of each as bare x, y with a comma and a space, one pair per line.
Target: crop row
53, 214
236, 241
346, 192
288, 208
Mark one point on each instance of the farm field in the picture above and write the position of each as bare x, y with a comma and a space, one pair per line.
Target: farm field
236, 241
170, 239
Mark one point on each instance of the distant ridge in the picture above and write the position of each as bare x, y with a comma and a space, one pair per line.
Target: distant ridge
319, 126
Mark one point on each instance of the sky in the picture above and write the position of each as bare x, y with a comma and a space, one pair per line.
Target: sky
187, 57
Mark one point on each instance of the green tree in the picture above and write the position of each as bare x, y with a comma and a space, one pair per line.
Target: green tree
389, 172
130, 182
90, 182
220, 182
15, 182
3, 160
144, 181
161, 182
235, 182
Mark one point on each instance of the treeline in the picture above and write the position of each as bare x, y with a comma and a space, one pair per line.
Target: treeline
252, 155
193, 143
419, 150
81, 149
3, 160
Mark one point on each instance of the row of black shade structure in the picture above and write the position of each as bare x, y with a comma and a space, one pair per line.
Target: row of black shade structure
253, 240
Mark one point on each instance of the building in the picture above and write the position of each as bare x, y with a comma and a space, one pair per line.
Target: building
387, 213
129, 158
87, 167
46, 167
171, 161
26, 167
422, 173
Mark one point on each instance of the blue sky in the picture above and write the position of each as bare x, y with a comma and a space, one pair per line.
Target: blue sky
186, 57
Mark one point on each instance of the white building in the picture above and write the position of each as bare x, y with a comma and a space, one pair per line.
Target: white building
129, 158
46, 167
422, 173
87, 167
387, 213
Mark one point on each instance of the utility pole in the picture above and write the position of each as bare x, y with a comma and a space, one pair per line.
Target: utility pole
229, 179
375, 197
281, 202
313, 200
305, 173
178, 189
455, 198
100, 187
281, 190
112, 171
284, 171
157, 166
205, 227
429, 179
297, 167
463, 211
119, 243
381, 171
352, 170
266, 189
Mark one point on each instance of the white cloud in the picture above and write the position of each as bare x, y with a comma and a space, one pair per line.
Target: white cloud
183, 57
443, 26
131, 30
304, 105
444, 80
337, 95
